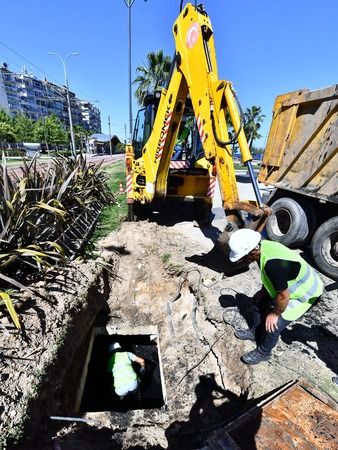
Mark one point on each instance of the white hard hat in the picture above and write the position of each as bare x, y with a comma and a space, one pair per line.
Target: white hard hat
241, 243
113, 346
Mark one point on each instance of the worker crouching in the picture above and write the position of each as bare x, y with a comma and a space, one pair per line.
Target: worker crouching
290, 287
125, 379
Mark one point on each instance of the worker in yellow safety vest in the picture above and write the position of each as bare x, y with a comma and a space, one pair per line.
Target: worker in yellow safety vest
125, 379
290, 287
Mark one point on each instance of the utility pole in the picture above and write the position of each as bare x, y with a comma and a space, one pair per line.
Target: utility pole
64, 62
129, 4
110, 147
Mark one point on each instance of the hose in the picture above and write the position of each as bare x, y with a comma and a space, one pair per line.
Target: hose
218, 140
241, 126
181, 4
201, 360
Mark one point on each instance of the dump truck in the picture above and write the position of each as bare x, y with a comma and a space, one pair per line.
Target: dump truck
300, 162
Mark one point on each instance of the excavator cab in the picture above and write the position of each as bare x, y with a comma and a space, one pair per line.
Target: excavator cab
188, 145
189, 172
144, 123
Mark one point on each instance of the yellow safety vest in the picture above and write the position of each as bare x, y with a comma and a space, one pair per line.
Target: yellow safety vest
121, 367
304, 289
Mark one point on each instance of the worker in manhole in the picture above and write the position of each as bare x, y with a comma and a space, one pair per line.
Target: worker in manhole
126, 380
290, 287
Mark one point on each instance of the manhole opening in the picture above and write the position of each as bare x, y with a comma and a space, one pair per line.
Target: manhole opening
96, 392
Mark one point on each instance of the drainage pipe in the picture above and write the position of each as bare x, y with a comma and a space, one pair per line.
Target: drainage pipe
76, 419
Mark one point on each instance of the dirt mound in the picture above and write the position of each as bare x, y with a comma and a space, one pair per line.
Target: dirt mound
163, 281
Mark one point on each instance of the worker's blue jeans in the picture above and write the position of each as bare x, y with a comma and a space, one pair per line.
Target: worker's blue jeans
265, 340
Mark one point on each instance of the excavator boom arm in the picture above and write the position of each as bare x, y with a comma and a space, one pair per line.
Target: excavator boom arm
213, 100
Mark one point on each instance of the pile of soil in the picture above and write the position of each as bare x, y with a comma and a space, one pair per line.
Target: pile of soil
173, 279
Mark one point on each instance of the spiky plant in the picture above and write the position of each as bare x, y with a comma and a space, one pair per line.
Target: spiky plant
37, 208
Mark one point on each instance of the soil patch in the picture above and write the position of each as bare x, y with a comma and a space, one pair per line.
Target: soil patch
169, 278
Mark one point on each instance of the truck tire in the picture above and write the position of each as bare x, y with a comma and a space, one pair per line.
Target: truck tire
324, 247
288, 224
311, 217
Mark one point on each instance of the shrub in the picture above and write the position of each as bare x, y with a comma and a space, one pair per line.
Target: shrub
41, 212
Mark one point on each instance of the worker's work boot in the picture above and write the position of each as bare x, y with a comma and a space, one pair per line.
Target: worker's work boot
254, 357
245, 335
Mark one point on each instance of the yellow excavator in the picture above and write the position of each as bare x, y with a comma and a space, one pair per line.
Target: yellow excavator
181, 139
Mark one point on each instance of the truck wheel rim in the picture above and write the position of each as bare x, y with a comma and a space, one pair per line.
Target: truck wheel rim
330, 249
281, 222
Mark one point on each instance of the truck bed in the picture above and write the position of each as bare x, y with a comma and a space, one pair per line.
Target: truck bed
301, 154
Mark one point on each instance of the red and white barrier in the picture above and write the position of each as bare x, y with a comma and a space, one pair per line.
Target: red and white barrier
212, 187
200, 129
164, 134
129, 184
179, 164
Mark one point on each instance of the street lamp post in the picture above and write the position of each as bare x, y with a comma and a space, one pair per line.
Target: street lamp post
64, 62
129, 4
110, 146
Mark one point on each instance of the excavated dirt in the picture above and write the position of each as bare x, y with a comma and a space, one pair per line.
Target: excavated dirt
165, 277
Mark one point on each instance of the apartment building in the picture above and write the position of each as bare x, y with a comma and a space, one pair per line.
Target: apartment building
91, 119
23, 93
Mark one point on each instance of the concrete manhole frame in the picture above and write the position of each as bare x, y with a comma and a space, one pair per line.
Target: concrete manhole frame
111, 330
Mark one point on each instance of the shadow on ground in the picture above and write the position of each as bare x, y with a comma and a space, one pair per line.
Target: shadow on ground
213, 408
317, 339
217, 258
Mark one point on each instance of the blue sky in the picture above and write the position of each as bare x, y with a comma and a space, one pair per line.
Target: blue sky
264, 47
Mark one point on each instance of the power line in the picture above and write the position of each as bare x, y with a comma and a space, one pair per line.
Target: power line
10, 60
32, 64
29, 62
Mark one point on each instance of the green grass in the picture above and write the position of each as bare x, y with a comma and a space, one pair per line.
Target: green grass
112, 216
165, 258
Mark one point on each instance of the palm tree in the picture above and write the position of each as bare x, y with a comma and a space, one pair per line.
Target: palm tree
152, 75
253, 120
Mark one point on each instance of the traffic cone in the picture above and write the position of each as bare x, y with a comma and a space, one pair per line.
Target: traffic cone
121, 188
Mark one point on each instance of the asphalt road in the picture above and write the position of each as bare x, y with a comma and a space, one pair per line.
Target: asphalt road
97, 159
105, 159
